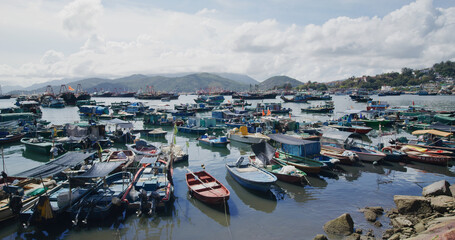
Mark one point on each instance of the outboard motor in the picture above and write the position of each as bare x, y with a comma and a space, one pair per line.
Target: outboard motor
15, 203
145, 208
155, 197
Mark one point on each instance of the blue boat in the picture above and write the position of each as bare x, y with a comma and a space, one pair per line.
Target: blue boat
250, 176
104, 201
193, 127
213, 141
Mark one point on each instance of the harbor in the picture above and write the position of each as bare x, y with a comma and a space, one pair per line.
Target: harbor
284, 210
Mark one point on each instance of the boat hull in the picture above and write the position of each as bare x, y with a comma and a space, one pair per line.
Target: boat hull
261, 186
207, 189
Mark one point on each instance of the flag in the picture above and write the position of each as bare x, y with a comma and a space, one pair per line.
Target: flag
268, 112
70, 88
289, 115
263, 113
412, 103
187, 144
175, 129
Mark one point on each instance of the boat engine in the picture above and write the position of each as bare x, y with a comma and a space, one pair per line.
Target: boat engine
155, 197
15, 203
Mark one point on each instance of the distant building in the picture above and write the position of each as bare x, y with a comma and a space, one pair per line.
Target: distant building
386, 88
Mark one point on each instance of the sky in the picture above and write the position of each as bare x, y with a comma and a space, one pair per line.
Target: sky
308, 40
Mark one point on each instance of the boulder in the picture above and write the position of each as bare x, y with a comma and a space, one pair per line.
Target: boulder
449, 235
436, 189
320, 237
377, 210
342, 225
377, 224
370, 215
419, 227
400, 222
412, 204
452, 190
442, 203
354, 236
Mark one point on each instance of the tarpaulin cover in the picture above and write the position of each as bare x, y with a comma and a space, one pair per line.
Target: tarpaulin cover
286, 139
76, 131
339, 135
432, 131
146, 160
263, 152
100, 169
120, 123
51, 168
443, 127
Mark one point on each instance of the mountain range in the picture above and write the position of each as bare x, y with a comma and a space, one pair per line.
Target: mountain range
182, 82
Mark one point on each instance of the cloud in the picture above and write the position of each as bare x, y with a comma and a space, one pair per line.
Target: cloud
126, 40
80, 17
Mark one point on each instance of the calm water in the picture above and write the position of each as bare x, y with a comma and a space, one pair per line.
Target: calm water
289, 211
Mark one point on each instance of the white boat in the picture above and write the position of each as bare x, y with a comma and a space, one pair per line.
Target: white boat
242, 135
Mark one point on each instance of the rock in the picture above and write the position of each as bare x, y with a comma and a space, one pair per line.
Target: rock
370, 215
342, 225
452, 189
366, 238
387, 234
400, 222
354, 236
377, 210
419, 227
377, 224
449, 235
442, 203
396, 236
412, 204
359, 231
436, 189
320, 237
370, 233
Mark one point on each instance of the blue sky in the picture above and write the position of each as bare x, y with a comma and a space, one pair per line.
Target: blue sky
308, 40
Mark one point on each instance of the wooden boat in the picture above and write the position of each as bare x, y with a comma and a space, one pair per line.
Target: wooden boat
126, 157
178, 155
328, 107
151, 187
424, 157
206, 188
345, 156
141, 147
352, 128
251, 177
158, 132
289, 174
305, 164
213, 141
242, 135
21, 195
10, 138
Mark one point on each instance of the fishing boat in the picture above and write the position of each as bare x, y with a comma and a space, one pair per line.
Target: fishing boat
263, 157
347, 127
206, 188
242, 135
142, 147
423, 156
103, 201
298, 98
193, 127
178, 155
341, 141
10, 138
328, 107
250, 176
377, 105
298, 153
40, 145
435, 139
125, 157
362, 98
157, 133
151, 187
213, 141
345, 156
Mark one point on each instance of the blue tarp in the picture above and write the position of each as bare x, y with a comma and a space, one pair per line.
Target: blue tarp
297, 146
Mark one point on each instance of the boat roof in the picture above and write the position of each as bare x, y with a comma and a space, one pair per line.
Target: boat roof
339, 135
56, 166
443, 127
100, 169
120, 123
290, 140
146, 160
433, 132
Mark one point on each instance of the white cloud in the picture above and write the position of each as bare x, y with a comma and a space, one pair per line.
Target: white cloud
125, 40
80, 17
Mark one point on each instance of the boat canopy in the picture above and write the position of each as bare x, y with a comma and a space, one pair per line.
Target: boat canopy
56, 166
297, 146
100, 169
340, 135
433, 132
146, 160
443, 127
263, 151
119, 123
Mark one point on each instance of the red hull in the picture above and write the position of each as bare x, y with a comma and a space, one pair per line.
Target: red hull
206, 188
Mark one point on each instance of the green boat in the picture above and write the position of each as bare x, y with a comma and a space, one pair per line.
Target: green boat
445, 118
38, 145
305, 164
374, 123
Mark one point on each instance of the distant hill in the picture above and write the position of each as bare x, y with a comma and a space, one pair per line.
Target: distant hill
278, 81
238, 78
187, 83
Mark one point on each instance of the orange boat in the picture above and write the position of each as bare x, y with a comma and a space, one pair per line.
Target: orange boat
206, 188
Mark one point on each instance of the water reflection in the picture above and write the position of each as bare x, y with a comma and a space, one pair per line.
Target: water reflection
353, 172
223, 151
265, 202
219, 213
35, 157
243, 148
430, 168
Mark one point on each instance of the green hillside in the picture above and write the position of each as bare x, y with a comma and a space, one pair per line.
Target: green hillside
279, 82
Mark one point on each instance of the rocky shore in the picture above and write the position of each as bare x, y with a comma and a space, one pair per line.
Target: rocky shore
430, 216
